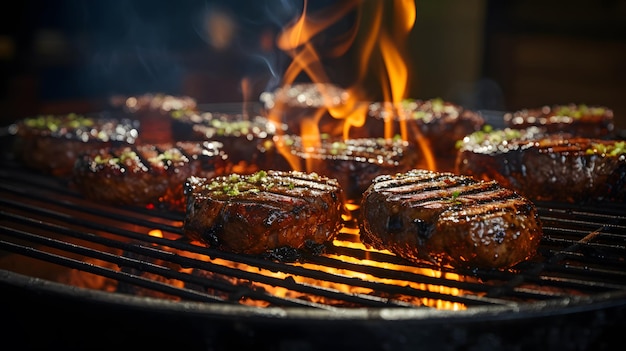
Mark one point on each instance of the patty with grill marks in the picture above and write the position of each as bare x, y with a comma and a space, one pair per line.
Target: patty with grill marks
51, 143
547, 167
147, 174
449, 219
437, 122
263, 213
353, 162
577, 119
246, 138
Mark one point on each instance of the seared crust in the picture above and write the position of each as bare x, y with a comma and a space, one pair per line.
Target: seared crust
577, 119
294, 103
547, 167
353, 162
152, 110
51, 143
159, 102
144, 175
449, 220
265, 211
305, 95
244, 138
441, 123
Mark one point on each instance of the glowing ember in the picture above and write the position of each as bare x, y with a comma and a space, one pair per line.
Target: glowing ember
156, 233
284, 290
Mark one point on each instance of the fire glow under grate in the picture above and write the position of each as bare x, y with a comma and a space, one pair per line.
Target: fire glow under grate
51, 232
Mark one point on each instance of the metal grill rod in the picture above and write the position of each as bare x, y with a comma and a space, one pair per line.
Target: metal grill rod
169, 273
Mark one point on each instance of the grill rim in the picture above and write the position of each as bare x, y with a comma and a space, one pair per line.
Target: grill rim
528, 310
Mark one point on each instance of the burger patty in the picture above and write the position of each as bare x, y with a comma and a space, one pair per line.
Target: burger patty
449, 220
576, 119
152, 111
353, 162
263, 212
244, 137
146, 174
298, 103
51, 143
435, 122
547, 167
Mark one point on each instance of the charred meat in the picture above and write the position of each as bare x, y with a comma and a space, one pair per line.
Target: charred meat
353, 162
263, 213
576, 119
298, 103
245, 138
52, 143
144, 175
152, 111
160, 102
547, 167
436, 123
449, 220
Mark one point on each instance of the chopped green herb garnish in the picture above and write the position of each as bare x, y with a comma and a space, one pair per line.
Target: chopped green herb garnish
236, 184
55, 122
257, 177
615, 149
578, 111
488, 134
454, 198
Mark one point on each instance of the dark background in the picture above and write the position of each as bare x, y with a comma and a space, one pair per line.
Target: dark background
71, 55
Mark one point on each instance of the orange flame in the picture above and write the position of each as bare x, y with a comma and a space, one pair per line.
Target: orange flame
296, 40
381, 56
379, 48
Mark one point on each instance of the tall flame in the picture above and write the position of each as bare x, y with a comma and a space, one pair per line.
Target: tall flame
296, 40
378, 52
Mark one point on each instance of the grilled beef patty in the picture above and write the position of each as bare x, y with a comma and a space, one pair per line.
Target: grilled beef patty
153, 102
152, 110
51, 143
547, 167
576, 119
146, 174
435, 122
244, 137
296, 103
353, 162
263, 212
449, 220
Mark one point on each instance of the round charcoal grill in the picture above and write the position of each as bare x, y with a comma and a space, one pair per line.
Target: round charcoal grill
79, 273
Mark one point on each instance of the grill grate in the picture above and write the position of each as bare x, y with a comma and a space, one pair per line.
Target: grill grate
44, 223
